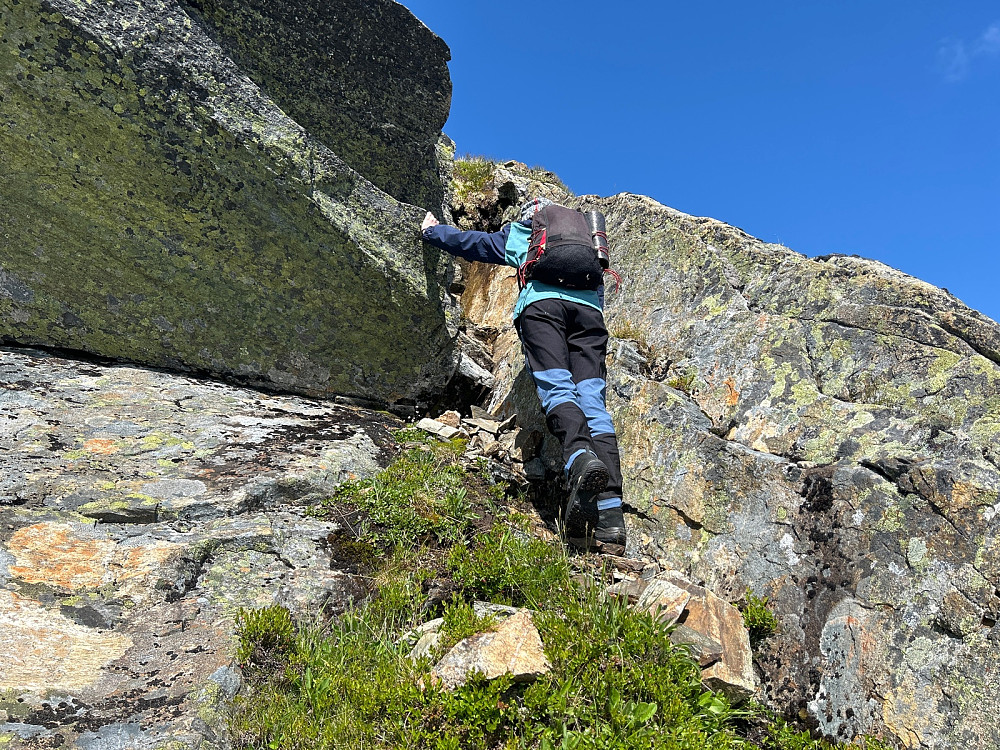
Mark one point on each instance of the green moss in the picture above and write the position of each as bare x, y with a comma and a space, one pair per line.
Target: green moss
213, 252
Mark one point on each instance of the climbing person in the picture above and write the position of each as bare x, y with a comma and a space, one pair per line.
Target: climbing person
559, 319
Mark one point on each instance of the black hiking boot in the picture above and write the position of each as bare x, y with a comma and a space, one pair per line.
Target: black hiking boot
610, 530
587, 476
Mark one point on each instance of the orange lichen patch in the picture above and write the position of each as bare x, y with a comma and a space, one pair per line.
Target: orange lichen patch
733, 395
53, 554
58, 555
100, 446
136, 564
906, 712
42, 650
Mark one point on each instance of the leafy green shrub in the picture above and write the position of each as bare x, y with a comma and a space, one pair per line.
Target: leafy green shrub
412, 435
757, 617
461, 621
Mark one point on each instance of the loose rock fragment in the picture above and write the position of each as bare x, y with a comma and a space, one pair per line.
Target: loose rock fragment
437, 428
514, 648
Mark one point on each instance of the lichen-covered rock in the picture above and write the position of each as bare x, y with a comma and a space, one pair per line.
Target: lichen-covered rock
162, 206
364, 77
138, 511
825, 431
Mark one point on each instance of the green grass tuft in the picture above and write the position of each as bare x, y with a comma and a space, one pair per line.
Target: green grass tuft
420, 497
473, 174
508, 567
757, 617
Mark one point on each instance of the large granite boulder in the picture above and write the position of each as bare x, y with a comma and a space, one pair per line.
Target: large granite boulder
825, 431
138, 511
364, 77
162, 205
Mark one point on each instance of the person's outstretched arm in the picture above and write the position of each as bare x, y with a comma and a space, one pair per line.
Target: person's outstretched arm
485, 247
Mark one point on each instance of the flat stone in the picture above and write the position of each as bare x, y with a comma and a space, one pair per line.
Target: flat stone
513, 648
479, 412
451, 418
437, 428
664, 599
488, 425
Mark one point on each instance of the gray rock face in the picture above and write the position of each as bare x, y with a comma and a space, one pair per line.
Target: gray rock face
364, 77
162, 206
825, 431
138, 511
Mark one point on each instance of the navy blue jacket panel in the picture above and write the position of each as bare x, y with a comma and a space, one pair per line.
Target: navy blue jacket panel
484, 247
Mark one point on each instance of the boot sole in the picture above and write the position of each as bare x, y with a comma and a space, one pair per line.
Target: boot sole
594, 479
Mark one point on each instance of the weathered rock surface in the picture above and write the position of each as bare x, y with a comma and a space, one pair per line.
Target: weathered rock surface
664, 599
718, 620
163, 205
138, 511
364, 77
514, 648
825, 431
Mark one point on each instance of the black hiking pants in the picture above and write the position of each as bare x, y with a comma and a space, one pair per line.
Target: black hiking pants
565, 345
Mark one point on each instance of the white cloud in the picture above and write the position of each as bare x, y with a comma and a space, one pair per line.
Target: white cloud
955, 57
953, 60
989, 42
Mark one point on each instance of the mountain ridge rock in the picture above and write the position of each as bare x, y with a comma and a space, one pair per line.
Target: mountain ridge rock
823, 431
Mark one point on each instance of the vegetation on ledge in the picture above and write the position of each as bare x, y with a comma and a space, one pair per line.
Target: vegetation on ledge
428, 525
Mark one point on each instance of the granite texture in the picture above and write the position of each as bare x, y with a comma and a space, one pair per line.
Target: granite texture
139, 510
825, 431
162, 206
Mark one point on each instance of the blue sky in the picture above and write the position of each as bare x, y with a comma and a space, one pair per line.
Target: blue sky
869, 128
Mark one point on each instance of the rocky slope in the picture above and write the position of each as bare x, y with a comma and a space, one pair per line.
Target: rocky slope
825, 431
138, 511
167, 202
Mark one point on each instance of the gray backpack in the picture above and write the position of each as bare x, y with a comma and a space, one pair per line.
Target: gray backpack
562, 250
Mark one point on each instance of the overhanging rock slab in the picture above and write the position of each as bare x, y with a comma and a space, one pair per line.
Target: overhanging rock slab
161, 207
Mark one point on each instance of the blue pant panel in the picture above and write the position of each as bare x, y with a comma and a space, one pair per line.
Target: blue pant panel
592, 394
556, 387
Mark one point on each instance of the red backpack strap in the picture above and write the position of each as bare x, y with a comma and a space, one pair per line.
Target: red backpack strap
617, 278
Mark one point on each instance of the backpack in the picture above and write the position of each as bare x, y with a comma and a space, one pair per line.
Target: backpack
561, 250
